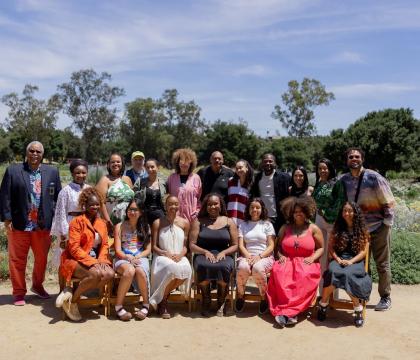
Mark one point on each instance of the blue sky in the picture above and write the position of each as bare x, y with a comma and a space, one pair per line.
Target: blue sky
234, 58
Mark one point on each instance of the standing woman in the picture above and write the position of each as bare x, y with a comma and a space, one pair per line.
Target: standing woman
132, 248
329, 195
347, 249
256, 244
116, 190
238, 190
300, 183
214, 240
87, 251
150, 192
170, 267
185, 185
295, 276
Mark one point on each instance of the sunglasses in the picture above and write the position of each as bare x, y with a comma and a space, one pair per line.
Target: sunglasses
33, 151
351, 157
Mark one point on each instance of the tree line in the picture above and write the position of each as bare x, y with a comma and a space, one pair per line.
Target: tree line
390, 137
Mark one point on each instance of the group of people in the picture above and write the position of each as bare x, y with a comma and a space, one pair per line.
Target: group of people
295, 240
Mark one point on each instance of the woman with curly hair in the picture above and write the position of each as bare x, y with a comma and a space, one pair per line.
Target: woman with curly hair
184, 184
295, 276
86, 254
238, 190
346, 271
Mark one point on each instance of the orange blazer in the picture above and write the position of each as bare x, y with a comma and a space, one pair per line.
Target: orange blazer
81, 238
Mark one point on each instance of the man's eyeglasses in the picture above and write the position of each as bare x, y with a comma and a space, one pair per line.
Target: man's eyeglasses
33, 151
351, 157
133, 209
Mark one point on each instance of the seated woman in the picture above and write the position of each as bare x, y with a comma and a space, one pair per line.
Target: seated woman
295, 276
256, 245
214, 238
86, 254
170, 267
347, 269
132, 247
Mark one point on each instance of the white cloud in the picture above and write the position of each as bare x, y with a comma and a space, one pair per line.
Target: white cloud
253, 70
348, 57
372, 90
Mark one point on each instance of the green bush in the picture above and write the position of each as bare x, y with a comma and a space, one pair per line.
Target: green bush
405, 258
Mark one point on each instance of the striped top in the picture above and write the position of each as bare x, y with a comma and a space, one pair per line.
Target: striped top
238, 197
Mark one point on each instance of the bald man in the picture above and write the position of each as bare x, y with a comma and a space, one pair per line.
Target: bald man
214, 178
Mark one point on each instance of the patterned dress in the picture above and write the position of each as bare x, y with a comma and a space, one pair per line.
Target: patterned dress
117, 199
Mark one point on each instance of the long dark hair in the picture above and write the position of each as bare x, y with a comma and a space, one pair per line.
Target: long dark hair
142, 227
295, 191
331, 169
359, 235
249, 175
203, 211
264, 212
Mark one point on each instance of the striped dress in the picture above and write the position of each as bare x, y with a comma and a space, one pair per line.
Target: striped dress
238, 197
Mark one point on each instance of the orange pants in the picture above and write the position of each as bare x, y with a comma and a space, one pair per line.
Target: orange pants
19, 243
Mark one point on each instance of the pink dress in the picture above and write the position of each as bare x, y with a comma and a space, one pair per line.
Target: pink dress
294, 284
188, 195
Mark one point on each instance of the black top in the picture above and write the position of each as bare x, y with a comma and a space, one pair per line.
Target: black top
183, 178
153, 200
215, 182
214, 239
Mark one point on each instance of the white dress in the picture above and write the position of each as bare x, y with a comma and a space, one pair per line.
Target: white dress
164, 270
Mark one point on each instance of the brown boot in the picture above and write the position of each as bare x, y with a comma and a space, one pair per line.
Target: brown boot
222, 292
206, 303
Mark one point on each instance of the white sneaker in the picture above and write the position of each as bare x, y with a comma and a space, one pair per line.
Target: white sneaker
291, 320
72, 310
65, 295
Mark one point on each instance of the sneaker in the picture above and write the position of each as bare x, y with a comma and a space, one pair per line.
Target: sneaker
322, 313
281, 320
65, 295
383, 304
40, 292
262, 309
239, 305
163, 310
358, 318
72, 311
19, 300
291, 321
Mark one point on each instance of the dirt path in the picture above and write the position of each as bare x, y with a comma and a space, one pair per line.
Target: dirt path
36, 331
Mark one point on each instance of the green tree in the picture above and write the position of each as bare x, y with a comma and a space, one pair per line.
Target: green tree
30, 119
88, 100
297, 115
234, 140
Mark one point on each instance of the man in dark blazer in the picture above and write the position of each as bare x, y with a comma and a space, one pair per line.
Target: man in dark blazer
28, 194
272, 186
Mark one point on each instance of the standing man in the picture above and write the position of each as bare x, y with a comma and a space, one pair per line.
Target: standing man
373, 194
137, 167
214, 178
28, 194
272, 186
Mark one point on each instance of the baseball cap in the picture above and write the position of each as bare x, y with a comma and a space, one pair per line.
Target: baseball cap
137, 153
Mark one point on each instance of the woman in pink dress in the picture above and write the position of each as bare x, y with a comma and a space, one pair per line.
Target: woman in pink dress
295, 276
184, 184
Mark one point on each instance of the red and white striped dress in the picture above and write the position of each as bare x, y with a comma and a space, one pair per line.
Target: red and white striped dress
238, 197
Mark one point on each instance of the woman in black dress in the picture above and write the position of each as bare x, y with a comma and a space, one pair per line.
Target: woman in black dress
347, 249
214, 240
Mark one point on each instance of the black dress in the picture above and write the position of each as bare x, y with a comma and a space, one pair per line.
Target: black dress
352, 278
215, 241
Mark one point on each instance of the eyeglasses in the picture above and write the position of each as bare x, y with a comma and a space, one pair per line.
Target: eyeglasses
133, 209
33, 151
351, 157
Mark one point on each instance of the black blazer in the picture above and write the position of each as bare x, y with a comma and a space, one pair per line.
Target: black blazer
15, 194
281, 182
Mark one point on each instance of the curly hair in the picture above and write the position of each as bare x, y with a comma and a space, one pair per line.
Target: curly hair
203, 211
354, 148
188, 155
295, 191
306, 203
264, 212
87, 194
359, 234
142, 227
108, 167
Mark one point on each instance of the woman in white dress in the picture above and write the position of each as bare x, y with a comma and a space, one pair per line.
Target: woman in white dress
170, 267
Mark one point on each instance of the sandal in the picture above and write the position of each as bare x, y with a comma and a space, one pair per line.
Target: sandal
124, 315
163, 310
142, 313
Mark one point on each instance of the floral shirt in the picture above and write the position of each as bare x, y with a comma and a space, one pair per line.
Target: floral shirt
329, 197
35, 196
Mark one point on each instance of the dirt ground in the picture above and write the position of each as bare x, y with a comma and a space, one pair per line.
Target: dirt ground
37, 331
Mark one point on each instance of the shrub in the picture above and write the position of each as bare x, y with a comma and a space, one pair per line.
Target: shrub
405, 258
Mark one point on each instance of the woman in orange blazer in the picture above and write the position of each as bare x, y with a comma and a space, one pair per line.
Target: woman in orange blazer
86, 256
